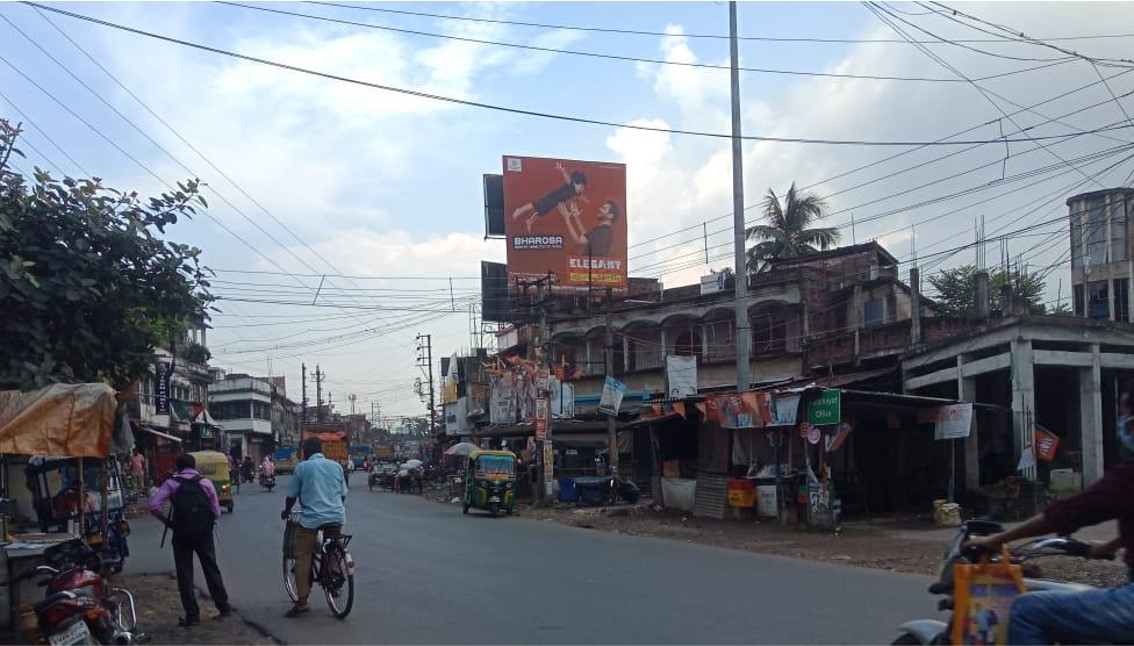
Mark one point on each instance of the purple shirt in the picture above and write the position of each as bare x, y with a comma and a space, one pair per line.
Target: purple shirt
170, 486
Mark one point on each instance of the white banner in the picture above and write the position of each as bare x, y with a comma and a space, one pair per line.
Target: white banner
681, 374
612, 392
953, 422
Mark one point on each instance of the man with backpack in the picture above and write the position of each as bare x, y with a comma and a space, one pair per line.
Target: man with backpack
193, 511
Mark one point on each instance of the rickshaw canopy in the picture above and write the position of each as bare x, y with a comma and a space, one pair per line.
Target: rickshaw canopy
65, 420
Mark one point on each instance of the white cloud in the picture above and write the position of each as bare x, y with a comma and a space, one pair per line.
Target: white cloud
532, 62
823, 107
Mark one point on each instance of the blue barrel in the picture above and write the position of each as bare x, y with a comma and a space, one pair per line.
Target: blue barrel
566, 490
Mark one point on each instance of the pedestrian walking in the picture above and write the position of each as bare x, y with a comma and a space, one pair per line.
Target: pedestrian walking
193, 513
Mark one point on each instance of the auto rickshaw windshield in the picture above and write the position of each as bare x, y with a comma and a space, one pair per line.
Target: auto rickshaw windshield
495, 464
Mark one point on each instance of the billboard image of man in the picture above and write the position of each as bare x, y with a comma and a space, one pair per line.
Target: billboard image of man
598, 240
574, 185
583, 249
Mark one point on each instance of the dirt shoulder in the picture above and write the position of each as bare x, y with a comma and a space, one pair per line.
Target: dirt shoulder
911, 546
159, 607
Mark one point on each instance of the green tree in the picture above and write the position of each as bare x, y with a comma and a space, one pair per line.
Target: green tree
956, 290
89, 289
785, 233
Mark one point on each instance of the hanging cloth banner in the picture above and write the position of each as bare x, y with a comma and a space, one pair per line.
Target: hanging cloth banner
953, 422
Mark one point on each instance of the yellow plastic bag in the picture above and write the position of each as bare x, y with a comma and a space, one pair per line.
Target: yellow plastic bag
983, 598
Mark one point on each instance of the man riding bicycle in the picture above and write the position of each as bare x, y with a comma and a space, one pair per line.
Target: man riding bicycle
1092, 616
321, 490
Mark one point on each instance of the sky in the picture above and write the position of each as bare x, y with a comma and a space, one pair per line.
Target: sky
369, 203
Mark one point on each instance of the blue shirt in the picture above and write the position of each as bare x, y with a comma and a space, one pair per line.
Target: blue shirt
319, 485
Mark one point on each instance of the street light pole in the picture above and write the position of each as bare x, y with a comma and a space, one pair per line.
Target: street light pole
740, 277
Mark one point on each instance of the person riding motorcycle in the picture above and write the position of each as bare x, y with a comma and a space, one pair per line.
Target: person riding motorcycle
268, 467
247, 468
1091, 616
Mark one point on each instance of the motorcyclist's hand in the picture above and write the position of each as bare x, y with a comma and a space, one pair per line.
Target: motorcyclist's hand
284, 514
1103, 551
985, 543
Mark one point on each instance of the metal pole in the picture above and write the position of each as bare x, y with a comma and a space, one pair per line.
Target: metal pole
611, 430
545, 360
741, 272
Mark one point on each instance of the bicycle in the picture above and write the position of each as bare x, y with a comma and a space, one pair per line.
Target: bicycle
332, 568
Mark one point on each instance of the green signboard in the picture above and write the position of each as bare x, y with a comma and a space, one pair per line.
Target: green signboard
826, 409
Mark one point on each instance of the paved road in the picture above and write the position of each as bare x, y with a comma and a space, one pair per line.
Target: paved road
426, 574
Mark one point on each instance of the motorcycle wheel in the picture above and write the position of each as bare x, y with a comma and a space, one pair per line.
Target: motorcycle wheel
906, 639
494, 509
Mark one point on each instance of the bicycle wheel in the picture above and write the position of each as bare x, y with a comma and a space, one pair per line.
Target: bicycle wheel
289, 579
338, 581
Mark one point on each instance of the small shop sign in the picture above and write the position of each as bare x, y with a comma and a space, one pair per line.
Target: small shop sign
826, 409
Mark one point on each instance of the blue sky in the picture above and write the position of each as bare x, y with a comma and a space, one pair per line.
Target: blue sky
367, 183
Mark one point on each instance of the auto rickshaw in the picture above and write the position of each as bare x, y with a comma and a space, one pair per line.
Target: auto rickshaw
214, 466
490, 481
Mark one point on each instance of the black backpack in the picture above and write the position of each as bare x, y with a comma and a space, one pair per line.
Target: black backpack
190, 511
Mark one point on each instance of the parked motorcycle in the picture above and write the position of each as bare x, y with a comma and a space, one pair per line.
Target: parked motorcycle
605, 490
80, 608
267, 481
932, 631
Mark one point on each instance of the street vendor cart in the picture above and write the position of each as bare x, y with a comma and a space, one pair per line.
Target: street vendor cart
73, 423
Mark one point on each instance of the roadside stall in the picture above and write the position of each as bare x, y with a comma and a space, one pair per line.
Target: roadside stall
760, 427
74, 424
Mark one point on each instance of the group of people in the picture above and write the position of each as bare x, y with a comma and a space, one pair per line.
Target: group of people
245, 471
187, 504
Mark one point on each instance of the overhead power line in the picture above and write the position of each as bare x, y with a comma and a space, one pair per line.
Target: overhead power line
1016, 35
641, 32
602, 55
534, 113
177, 134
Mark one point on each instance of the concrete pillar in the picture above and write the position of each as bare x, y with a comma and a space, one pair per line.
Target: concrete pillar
966, 392
983, 305
915, 310
1091, 418
704, 341
627, 364
1023, 399
1110, 296
664, 347
857, 308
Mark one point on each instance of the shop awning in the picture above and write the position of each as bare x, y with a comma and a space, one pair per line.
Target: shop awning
564, 427
834, 381
154, 431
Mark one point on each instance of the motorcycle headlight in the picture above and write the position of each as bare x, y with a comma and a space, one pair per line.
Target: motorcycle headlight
225, 487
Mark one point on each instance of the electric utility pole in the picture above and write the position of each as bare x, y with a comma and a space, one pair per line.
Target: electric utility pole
303, 385
740, 275
611, 428
425, 360
319, 394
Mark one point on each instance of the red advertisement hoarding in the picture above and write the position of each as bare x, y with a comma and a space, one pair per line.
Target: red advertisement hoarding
567, 218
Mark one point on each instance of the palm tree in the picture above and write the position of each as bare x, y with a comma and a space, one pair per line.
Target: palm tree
786, 234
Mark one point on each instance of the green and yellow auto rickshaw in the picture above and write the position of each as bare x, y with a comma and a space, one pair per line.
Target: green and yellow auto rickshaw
490, 481
214, 466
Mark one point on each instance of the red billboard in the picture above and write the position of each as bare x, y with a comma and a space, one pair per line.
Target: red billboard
566, 218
